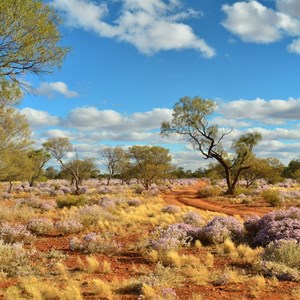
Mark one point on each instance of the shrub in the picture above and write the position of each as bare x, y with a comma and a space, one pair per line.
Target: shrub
71, 200
273, 197
210, 191
192, 218
40, 226
219, 229
37, 203
90, 215
277, 225
134, 202
171, 209
68, 226
280, 271
285, 252
15, 233
14, 260
95, 243
172, 237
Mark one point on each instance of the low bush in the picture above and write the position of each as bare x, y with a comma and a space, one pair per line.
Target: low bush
14, 260
40, 226
95, 243
171, 209
273, 197
277, 225
210, 191
219, 229
15, 233
172, 237
192, 218
71, 200
285, 252
69, 226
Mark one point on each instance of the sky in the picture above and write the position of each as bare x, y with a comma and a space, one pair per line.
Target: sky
132, 60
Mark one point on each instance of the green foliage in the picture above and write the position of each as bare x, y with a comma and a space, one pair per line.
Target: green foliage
273, 197
29, 38
150, 164
292, 170
285, 252
71, 200
210, 191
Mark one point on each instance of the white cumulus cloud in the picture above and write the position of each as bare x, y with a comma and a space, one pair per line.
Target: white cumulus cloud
254, 22
50, 89
151, 26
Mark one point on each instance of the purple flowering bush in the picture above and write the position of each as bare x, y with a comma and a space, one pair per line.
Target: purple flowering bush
69, 226
172, 237
37, 203
15, 233
219, 229
277, 225
95, 243
192, 218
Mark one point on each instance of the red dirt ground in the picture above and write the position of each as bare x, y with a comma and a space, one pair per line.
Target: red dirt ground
122, 263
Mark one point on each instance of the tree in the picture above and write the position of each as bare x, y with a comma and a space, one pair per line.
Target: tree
29, 38
113, 159
14, 165
150, 164
293, 169
190, 119
51, 173
78, 170
38, 159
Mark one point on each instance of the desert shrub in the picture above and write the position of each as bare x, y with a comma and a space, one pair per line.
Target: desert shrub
40, 226
69, 226
90, 215
210, 191
219, 229
138, 188
280, 271
285, 252
277, 225
273, 197
37, 203
15, 233
14, 260
172, 237
171, 209
106, 203
95, 243
134, 202
71, 200
192, 218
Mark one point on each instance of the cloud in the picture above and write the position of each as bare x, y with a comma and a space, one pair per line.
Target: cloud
151, 26
254, 22
50, 89
269, 112
38, 118
91, 117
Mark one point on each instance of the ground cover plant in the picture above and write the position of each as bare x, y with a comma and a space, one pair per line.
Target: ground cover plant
122, 242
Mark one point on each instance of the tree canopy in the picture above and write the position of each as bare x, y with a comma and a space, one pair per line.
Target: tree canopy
29, 38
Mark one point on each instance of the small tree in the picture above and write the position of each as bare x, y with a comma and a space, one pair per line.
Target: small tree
15, 165
190, 120
84, 169
150, 164
38, 159
113, 159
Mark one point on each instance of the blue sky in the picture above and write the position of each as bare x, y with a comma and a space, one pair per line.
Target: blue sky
131, 60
